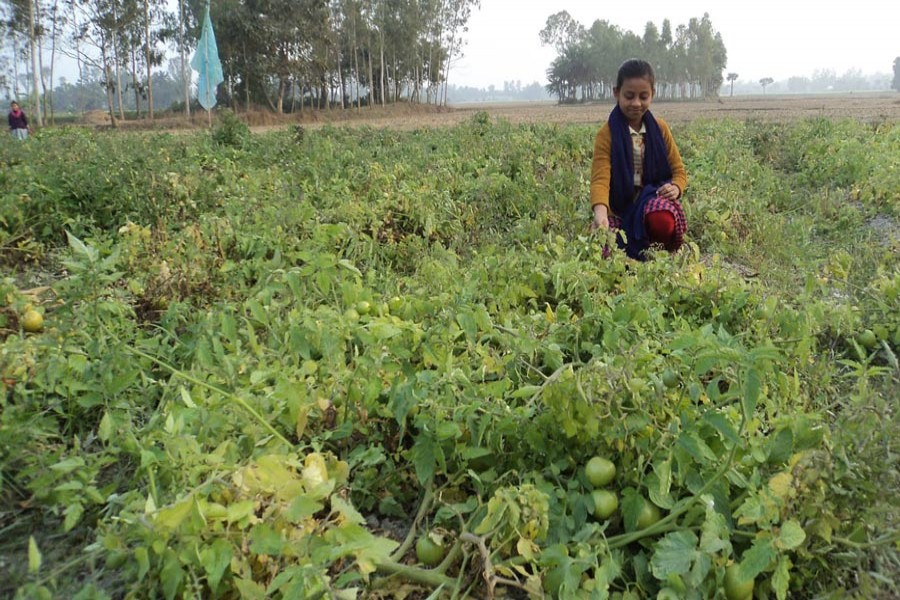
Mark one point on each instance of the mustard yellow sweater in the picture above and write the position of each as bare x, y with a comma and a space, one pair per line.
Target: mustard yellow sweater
600, 167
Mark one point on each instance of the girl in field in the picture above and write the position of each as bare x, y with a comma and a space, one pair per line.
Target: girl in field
18, 122
637, 175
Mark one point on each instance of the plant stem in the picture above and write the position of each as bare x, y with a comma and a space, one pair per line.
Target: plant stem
428, 577
240, 401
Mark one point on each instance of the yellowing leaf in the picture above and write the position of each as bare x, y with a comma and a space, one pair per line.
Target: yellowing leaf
172, 516
781, 484
791, 536
527, 548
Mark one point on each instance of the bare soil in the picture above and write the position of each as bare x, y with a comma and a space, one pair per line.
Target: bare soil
866, 107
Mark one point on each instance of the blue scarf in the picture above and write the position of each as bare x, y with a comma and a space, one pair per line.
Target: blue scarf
657, 171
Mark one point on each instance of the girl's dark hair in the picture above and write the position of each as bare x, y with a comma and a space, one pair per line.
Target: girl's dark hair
635, 68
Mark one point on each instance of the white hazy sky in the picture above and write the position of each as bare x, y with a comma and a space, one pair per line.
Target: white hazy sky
764, 38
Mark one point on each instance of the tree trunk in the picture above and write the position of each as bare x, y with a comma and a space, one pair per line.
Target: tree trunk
108, 76
279, 106
135, 84
185, 80
41, 71
371, 81
383, 99
148, 55
53, 55
115, 42
32, 34
340, 73
15, 66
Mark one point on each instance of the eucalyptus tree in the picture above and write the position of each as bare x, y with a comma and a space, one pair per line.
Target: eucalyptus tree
23, 18
688, 63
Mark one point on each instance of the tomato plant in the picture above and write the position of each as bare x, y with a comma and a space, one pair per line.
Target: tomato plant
279, 369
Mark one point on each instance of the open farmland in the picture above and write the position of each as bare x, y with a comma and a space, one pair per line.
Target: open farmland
374, 362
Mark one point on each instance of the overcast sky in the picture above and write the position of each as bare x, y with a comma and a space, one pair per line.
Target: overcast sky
764, 38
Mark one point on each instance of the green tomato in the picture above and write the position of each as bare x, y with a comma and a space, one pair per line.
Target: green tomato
351, 315
395, 304
428, 551
867, 339
605, 503
670, 378
734, 588
648, 516
363, 307
600, 471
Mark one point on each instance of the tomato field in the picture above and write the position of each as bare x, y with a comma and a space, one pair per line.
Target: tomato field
369, 363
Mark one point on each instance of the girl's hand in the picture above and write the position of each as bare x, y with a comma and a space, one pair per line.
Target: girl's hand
669, 191
601, 218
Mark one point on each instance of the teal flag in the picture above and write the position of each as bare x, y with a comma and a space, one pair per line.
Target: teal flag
206, 62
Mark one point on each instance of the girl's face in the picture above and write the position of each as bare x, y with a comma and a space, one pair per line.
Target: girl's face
14, 106
634, 99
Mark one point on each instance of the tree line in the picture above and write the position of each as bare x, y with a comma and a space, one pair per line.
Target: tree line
688, 60
280, 54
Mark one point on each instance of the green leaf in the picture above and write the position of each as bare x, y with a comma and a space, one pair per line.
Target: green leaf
632, 505
674, 554
171, 517
34, 556
714, 533
721, 424
424, 457
250, 590
265, 540
696, 447
346, 510
302, 507
781, 579
143, 560
215, 559
68, 465
781, 446
350, 267
791, 536
73, 514
752, 389
106, 428
757, 559
526, 391
171, 574
81, 250
384, 331
186, 397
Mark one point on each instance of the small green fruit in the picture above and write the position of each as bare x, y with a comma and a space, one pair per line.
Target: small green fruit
429, 551
600, 471
867, 339
605, 503
648, 516
734, 588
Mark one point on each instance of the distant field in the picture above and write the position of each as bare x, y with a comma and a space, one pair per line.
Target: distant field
866, 107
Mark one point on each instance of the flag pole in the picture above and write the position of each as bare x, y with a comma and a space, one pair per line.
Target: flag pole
206, 49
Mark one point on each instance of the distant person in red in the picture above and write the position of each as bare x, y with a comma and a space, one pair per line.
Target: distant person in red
18, 122
637, 175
